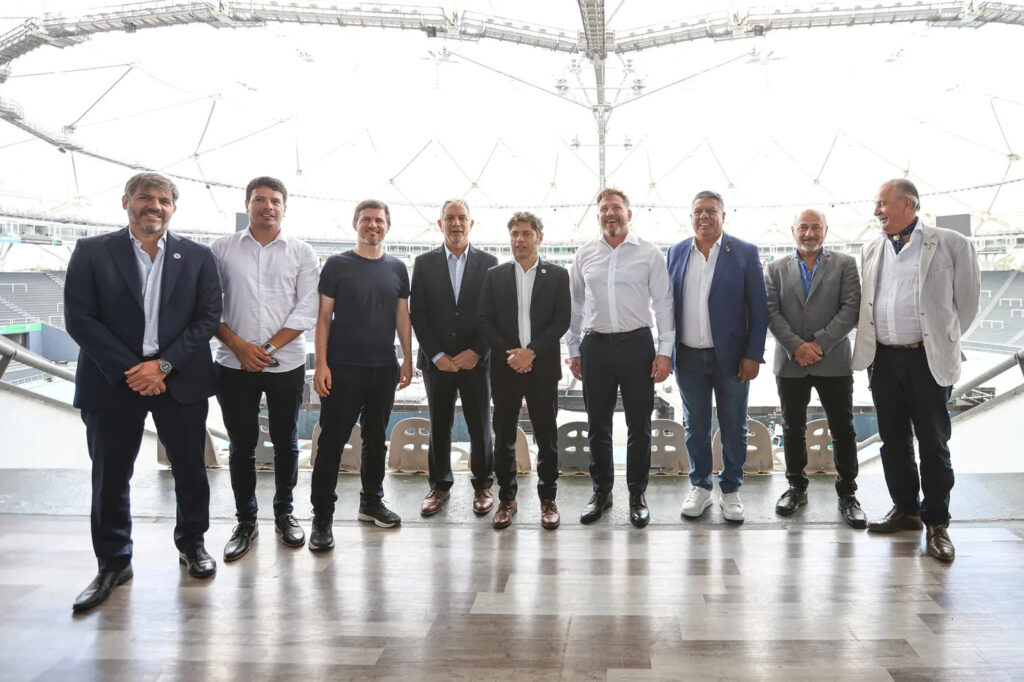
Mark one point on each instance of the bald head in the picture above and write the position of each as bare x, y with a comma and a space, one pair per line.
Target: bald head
809, 230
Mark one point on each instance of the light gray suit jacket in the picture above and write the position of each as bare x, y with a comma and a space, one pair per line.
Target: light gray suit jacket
950, 287
827, 314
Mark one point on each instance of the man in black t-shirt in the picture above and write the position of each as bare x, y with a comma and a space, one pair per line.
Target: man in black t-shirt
364, 298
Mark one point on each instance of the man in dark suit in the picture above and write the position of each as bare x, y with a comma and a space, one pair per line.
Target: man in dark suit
524, 311
721, 323
813, 304
453, 355
142, 303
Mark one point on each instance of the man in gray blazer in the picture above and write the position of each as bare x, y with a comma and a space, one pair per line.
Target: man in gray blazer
921, 289
813, 302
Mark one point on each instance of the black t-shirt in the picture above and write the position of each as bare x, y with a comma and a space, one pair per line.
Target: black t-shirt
365, 293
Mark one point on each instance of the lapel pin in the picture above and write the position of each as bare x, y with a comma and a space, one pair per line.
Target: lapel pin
927, 245
543, 271
728, 249
177, 256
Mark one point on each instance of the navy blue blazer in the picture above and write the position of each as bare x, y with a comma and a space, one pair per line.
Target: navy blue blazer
737, 302
550, 309
441, 326
104, 313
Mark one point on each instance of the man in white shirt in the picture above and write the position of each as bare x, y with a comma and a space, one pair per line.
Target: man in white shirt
921, 286
270, 299
615, 282
721, 315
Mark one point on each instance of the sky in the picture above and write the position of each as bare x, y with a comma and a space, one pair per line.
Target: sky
794, 119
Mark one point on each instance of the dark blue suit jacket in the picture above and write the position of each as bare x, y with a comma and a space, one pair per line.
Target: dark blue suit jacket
737, 302
104, 313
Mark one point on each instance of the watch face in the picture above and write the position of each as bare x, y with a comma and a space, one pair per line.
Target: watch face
166, 367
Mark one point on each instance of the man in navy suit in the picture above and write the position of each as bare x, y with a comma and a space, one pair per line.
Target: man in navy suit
142, 304
524, 311
453, 356
721, 315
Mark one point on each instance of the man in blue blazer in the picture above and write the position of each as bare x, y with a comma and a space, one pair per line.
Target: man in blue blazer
142, 304
721, 315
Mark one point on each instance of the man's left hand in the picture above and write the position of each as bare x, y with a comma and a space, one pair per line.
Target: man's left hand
748, 370
467, 359
405, 374
144, 376
520, 359
661, 368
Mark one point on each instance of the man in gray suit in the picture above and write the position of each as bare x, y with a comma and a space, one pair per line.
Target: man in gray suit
813, 301
921, 289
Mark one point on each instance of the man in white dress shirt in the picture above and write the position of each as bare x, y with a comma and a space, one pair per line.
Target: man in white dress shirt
615, 282
921, 286
270, 299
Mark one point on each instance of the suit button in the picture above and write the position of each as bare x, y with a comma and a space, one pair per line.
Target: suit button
456, 314
453, 333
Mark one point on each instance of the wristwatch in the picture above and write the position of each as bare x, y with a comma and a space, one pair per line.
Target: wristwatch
270, 348
165, 366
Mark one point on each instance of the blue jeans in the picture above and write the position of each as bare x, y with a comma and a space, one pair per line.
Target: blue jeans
699, 376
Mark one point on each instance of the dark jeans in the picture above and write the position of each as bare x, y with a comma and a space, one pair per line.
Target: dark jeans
474, 386
836, 395
905, 394
541, 396
239, 393
114, 434
608, 366
366, 395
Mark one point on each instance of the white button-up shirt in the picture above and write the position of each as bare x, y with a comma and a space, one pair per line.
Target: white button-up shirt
266, 289
524, 295
694, 317
897, 308
151, 273
614, 290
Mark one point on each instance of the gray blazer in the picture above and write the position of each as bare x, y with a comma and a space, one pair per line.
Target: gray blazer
827, 315
950, 287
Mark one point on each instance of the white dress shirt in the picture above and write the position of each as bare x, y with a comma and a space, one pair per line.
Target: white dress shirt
524, 295
694, 317
897, 309
151, 273
266, 289
614, 289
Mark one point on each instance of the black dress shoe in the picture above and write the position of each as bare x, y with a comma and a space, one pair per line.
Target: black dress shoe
288, 528
639, 514
852, 513
939, 544
895, 520
241, 540
599, 503
790, 500
100, 588
321, 538
200, 563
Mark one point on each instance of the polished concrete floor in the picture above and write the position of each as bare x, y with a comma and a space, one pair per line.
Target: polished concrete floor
449, 598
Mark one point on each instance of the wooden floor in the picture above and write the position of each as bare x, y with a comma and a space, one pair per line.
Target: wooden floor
465, 602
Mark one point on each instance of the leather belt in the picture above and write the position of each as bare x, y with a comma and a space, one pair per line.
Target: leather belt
619, 337
902, 346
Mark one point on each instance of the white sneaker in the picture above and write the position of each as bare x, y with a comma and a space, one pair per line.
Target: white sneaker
732, 507
697, 500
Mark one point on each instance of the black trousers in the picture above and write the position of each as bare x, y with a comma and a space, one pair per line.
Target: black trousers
610, 365
541, 394
114, 434
474, 387
239, 393
366, 395
906, 395
836, 395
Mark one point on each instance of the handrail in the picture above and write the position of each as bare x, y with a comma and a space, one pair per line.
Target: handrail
14, 351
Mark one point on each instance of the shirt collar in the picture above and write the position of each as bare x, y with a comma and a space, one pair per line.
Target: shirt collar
247, 233
520, 270
448, 253
717, 244
816, 258
161, 242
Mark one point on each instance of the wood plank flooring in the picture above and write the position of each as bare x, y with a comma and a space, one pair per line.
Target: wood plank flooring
461, 602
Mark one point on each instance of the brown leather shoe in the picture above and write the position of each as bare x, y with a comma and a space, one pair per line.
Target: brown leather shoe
549, 517
939, 544
433, 502
506, 510
483, 501
895, 520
